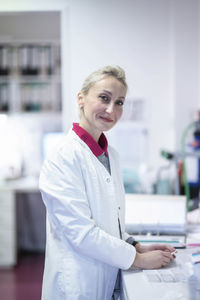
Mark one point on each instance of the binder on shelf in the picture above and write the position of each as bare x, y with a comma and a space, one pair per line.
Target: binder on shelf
4, 60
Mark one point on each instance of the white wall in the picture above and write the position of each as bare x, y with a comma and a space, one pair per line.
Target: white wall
157, 43
136, 36
186, 64
30, 26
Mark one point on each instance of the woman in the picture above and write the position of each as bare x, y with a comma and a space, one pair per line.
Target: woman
82, 189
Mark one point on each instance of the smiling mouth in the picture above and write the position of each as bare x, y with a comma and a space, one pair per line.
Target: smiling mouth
106, 119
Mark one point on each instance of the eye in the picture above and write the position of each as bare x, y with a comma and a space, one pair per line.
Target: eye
119, 102
104, 98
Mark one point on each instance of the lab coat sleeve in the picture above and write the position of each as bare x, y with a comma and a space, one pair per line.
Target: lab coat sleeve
63, 192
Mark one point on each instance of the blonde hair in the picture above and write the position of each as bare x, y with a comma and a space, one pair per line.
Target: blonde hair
113, 71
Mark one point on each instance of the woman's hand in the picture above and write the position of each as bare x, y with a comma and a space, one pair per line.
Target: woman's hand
153, 256
152, 259
164, 247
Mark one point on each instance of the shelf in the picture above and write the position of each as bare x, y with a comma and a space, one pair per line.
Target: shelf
30, 78
35, 114
39, 91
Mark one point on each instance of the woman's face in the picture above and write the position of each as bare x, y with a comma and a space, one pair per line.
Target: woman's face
102, 107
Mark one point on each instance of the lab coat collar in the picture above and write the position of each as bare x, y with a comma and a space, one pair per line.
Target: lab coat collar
96, 148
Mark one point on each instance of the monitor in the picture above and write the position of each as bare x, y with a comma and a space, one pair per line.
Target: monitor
157, 214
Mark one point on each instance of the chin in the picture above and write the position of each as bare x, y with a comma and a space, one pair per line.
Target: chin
104, 126
108, 127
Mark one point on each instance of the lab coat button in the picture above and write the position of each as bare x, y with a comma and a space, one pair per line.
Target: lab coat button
107, 180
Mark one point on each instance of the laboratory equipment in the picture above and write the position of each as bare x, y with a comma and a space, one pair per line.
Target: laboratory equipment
187, 163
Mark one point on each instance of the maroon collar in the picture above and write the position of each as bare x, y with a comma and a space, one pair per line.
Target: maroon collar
96, 148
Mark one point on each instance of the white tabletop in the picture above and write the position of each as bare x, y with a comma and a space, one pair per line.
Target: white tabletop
23, 184
139, 285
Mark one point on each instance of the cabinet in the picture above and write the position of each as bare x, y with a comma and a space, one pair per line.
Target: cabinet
7, 228
8, 216
30, 77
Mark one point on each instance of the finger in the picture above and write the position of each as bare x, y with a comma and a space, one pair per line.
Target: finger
166, 248
174, 253
172, 257
166, 261
169, 248
168, 256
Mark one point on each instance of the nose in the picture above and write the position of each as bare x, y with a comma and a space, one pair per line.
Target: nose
110, 108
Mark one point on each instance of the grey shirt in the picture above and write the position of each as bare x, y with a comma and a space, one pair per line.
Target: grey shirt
105, 161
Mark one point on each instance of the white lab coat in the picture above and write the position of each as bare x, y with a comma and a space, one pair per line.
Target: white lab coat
83, 249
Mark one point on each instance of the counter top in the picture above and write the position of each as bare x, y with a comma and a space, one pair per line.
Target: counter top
23, 184
149, 284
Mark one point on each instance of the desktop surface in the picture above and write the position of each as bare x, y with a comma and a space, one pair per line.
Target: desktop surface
177, 281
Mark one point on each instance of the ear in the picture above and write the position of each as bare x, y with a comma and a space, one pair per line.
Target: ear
80, 99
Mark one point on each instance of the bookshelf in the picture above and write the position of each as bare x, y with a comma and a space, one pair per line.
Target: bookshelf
30, 77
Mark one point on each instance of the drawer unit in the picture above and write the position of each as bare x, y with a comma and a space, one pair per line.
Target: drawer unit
7, 228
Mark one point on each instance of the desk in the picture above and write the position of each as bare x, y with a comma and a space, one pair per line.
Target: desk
8, 222
25, 184
136, 285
